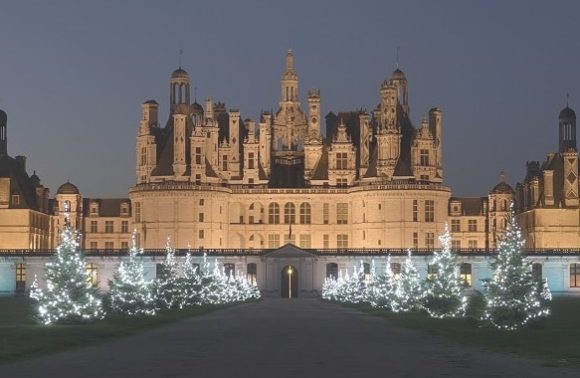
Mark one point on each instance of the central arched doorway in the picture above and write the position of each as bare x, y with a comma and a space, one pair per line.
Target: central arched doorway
289, 284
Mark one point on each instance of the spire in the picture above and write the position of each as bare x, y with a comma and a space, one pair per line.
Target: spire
289, 60
179, 58
502, 176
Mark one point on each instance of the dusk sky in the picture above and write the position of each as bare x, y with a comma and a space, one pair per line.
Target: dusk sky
73, 74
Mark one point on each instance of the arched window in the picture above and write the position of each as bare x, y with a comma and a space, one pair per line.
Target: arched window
305, 213
396, 269
252, 274
332, 270
274, 213
91, 269
289, 213
465, 274
229, 270
537, 271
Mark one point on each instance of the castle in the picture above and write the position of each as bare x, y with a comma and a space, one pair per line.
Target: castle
210, 178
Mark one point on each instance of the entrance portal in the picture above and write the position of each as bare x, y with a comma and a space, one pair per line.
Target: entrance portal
289, 286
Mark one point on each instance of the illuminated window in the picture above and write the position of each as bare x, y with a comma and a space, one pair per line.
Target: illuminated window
305, 213
574, 275
429, 211
92, 275
274, 213
342, 241
332, 270
20, 278
342, 213
252, 274
455, 225
289, 213
465, 274
537, 271
366, 272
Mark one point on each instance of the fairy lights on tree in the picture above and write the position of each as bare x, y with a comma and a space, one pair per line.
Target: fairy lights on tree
382, 290
409, 290
189, 284
444, 298
166, 286
69, 295
513, 297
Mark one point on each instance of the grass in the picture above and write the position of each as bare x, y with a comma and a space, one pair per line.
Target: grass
21, 336
556, 340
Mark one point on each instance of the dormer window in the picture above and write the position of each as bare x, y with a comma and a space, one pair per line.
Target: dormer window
124, 209
16, 199
94, 208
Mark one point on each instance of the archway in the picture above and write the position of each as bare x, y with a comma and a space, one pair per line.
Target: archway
289, 283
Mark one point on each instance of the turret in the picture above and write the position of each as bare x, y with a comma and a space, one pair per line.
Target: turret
179, 141
314, 113
435, 125
567, 130
179, 91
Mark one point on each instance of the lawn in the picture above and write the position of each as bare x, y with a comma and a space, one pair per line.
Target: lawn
556, 341
22, 337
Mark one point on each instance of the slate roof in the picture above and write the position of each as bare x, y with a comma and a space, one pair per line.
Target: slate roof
108, 207
470, 206
20, 183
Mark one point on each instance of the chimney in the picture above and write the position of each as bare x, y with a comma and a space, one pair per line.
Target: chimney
21, 160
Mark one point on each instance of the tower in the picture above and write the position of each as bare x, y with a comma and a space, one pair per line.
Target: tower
567, 130
435, 125
146, 150
179, 91
399, 80
289, 82
3, 135
314, 113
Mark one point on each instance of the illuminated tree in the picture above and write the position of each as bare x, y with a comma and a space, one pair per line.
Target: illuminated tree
167, 290
444, 298
381, 292
69, 296
409, 291
189, 284
513, 297
131, 293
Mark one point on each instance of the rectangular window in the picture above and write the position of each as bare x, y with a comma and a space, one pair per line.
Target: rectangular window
341, 182
225, 163
201, 201
202, 217
16, 199
424, 177
325, 241
455, 225
94, 228
574, 275
305, 241
415, 240
137, 212
93, 245
125, 226
325, 213
415, 211
472, 244
429, 240
197, 179
273, 241
198, 155
201, 234
20, 275
342, 213
456, 245
537, 271
429, 211
472, 225
424, 157
341, 160
465, 274
109, 245
143, 155
251, 159
109, 226
290, 239
342, 241
124, 245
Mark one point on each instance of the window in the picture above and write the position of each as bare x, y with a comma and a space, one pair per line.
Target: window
125, 226
92, 275
456, 245
230, 270
273, 241
20, 278
225, 163
109, 226
342, 213
341, 182
465, 274
124, 245
537, 271
366, 272
94, 226
94, 245
472, 225
197, 179
305, 213
472, 244
396, 269
325, 241
325, 213
202, 217
252, 273
416, 240
431, 271
198, 155
342, 241
305, 241
289, 213
424, 157
332, 270
274, 213
429, 211
109, 245
201, 234
251, 160
201, 201
574, 275
290, 239
455, 225
415, 211
424, 178
137, 212
143, 155
429, 240
94, 208
341, 160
